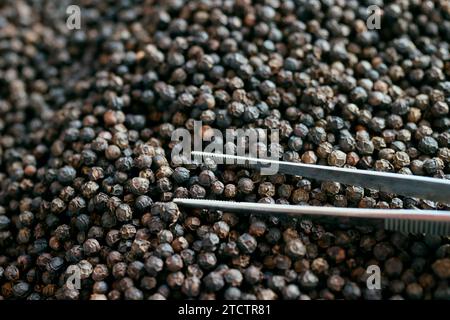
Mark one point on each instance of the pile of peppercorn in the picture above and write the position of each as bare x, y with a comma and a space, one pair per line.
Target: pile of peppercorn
86, 116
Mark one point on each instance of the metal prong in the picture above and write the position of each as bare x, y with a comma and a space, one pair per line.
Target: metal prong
403, 220
404, 214
408, 185
440, 228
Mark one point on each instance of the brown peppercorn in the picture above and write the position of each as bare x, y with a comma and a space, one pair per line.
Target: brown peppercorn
245, 185
112, 152
91, 246
257, 228
337, 254
442, 268
230, 191
300, 195
337, 158
309, 157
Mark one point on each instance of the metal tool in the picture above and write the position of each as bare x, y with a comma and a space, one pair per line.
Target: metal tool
403, 184
404, 220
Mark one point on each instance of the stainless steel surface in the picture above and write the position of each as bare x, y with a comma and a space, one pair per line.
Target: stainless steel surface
404, 214
416, 226
407, 185
403, 220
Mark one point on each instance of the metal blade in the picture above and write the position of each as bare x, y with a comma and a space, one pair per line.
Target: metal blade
294, 210
439, 228
403, 220
407, 185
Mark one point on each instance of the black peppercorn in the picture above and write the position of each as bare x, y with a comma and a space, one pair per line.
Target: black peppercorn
247, 243
197, 192
139, 186
207, 260
11, 273
214, 281
66, 174
181, 174
428, 145
123, 212
308, 280
21, 289
153, 265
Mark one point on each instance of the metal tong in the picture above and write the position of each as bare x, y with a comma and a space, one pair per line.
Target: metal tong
404, 220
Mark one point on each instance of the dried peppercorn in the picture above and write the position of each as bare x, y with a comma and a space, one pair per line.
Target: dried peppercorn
123, 212
247, 243
337, 158
245, 185
153, 265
